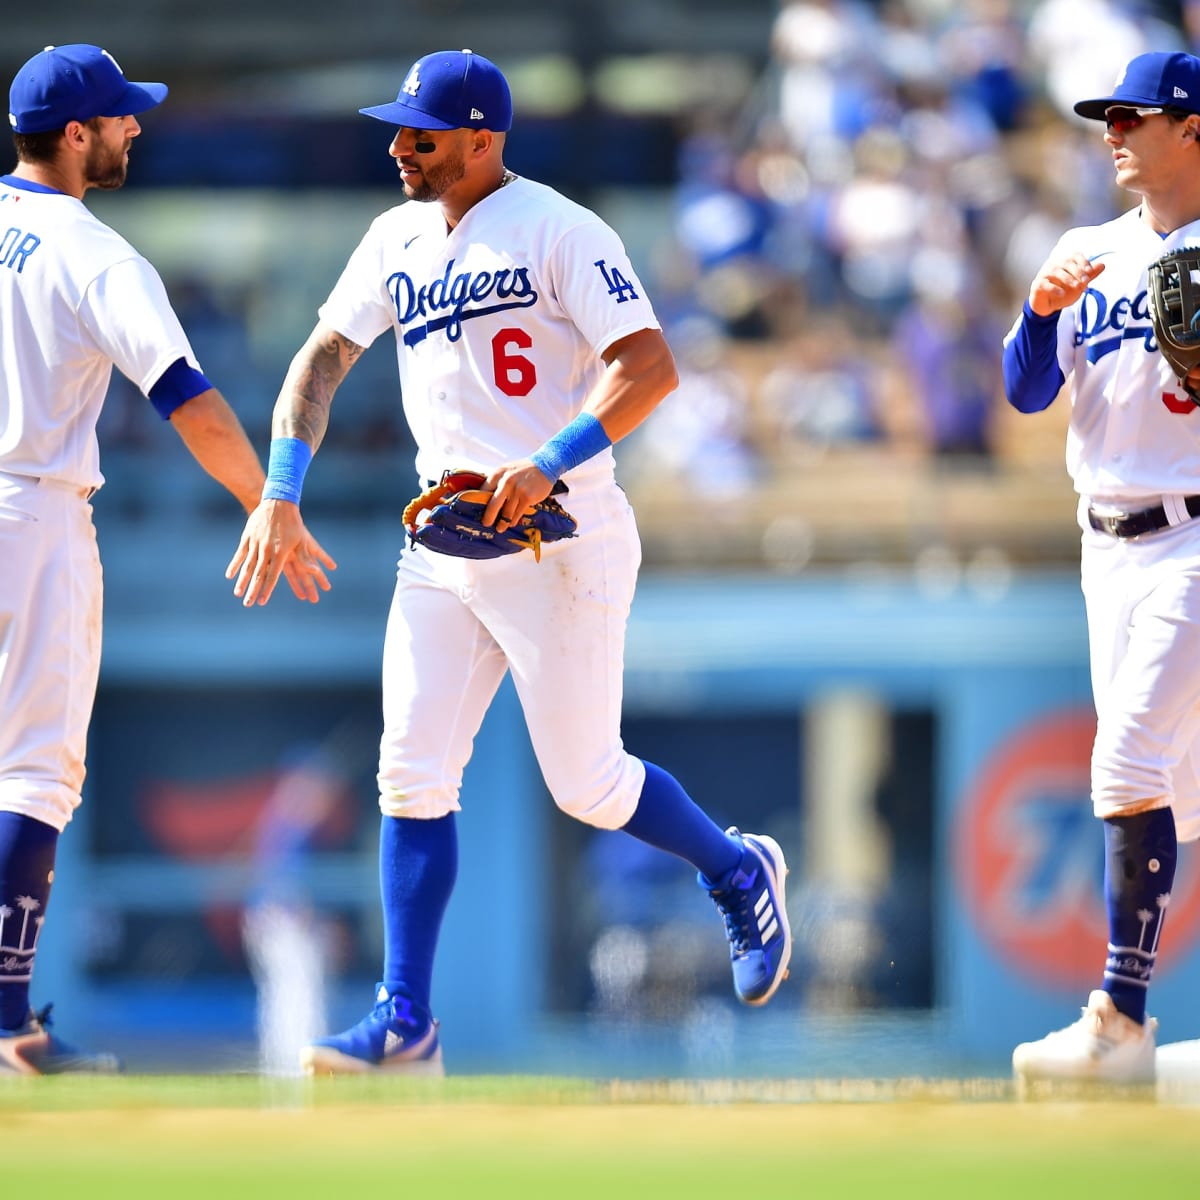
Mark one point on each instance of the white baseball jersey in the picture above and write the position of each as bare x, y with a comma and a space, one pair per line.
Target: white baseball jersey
1134, 434
1134, 442
498, 322
499, 327
75, 298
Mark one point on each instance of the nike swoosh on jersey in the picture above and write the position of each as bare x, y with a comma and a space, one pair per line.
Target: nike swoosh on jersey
411, 240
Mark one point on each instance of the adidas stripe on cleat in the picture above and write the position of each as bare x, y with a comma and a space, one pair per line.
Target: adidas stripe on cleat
752, 901
394, 1036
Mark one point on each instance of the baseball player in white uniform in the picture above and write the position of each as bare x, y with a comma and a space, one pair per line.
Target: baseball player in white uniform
1133, 450
75, 300
526, 347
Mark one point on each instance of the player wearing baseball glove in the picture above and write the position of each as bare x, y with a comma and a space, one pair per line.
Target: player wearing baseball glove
530, 325
1133, 452
448, 518
1174, 302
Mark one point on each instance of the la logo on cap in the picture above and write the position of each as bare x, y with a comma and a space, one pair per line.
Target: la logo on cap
412, 85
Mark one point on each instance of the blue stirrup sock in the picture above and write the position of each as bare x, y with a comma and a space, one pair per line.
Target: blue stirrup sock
27, 850
1139, 869
418, 864
668, 818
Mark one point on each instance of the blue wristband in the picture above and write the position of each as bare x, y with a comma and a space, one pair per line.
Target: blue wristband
575, 443
286, 466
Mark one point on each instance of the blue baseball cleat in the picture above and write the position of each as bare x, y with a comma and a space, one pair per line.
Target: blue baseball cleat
31, 1049
751, 899
394, 1036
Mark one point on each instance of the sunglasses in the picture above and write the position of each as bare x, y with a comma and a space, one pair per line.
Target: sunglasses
1122, 120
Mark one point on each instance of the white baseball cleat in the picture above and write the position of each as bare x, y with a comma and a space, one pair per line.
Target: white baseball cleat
1104, 1046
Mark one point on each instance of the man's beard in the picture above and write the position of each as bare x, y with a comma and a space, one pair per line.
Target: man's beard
105, 170
437, 180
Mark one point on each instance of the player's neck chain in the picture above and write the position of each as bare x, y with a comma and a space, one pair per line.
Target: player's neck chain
506, 178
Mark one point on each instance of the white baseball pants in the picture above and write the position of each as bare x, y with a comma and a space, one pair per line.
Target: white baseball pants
51, 598
1143, 611
457, 625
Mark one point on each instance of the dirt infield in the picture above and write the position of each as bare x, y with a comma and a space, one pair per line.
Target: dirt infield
498, 1138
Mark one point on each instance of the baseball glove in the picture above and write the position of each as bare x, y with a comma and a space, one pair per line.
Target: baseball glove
447, 518
1174, 296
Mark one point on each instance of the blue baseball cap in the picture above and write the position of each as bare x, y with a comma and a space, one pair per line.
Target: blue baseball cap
1156, 80
450, 89
75, 83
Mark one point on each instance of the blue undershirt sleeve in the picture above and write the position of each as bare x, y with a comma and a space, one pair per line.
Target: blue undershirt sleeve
178, 384
1032, 376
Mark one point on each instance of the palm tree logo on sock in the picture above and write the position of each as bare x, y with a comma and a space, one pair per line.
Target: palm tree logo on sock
1161, 902
16, 961
1145, 916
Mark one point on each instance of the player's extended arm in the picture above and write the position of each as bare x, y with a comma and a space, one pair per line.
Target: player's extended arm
298, 424
639, 373
211, 431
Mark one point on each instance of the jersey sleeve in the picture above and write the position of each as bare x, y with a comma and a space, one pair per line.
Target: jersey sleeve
127, 311
1032, 375
358, 307
1038, 352
597, 286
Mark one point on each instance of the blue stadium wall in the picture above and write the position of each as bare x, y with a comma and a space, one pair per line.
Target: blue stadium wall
987, 915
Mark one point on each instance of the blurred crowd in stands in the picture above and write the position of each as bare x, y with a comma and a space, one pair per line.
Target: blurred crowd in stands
875, 217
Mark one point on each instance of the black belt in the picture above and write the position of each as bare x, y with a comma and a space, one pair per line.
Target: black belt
1145, 520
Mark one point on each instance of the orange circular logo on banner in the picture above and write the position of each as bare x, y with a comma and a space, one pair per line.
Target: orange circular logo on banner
1029, 858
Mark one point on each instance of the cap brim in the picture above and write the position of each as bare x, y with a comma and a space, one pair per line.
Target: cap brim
137, 98
398, 113
1094, 110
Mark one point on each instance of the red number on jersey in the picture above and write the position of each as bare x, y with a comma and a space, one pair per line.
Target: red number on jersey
515, 374
1178, 404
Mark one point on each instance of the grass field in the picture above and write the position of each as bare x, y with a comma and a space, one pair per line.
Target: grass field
493, 1137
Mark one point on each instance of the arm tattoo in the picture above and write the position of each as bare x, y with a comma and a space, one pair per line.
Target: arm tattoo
303, 407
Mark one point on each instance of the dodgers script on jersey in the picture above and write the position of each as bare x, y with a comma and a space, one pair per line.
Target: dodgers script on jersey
1122, 449
498, 349
73, 286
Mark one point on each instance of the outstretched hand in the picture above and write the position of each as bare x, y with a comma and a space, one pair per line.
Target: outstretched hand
276, 542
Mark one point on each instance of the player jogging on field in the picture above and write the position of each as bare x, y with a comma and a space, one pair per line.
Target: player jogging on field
526, 347
75, 300
1133, 450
